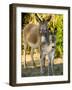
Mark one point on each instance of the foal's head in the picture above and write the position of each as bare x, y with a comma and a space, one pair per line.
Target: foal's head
49, 37
52, 38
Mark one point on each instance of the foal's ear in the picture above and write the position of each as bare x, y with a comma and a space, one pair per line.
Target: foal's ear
49, 30
49, 18
55, 30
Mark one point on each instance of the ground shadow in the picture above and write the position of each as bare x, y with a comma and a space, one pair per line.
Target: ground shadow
29, 72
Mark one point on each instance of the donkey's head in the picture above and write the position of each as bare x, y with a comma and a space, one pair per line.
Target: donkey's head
43, 27
52, 38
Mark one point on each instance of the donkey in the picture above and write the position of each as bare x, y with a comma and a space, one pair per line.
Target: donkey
32, 36
48, 48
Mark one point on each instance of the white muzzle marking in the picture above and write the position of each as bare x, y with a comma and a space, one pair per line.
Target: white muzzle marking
43, 39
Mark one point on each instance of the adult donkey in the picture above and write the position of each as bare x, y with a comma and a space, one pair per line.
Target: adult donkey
32, 36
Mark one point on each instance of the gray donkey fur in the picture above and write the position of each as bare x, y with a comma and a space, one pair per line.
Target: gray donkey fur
48, 45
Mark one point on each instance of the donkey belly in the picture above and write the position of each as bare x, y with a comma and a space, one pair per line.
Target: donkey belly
34, 45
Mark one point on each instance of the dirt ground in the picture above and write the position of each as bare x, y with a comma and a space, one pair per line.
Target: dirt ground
35, 71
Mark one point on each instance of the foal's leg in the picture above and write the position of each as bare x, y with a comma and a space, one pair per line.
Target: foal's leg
42, 64
52, 64
49, 61
33, 63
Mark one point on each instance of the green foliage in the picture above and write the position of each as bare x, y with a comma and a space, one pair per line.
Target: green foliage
59, 36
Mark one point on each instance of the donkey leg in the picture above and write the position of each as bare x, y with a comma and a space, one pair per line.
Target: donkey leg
49, 61
42, 64
25, 59
25, 47
33, 63
52, 65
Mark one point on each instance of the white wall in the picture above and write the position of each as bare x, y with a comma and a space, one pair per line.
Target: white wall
4, 45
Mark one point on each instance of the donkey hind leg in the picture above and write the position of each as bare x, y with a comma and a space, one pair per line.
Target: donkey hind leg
25, 47
33, 63
25, 65
42, 64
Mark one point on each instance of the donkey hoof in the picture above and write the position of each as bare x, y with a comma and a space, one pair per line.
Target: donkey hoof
25, 66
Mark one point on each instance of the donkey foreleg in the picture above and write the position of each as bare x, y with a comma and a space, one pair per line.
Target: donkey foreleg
42, 64
49, 61
52, 64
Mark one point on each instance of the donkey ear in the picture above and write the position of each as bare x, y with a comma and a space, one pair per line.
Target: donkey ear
48, 29
55, 30
38, 18
49, 18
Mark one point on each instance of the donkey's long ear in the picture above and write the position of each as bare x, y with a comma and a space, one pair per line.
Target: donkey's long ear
49, 18
38, 18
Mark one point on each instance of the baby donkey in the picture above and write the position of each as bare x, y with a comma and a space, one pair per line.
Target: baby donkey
48, 46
